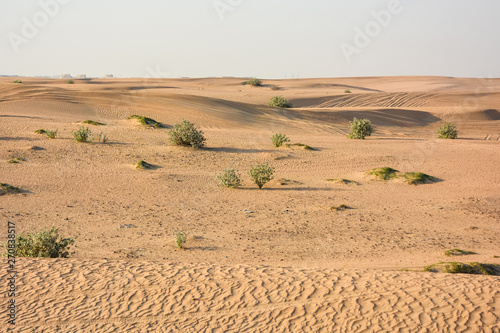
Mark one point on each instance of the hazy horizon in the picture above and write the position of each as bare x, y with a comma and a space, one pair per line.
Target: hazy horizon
238, 38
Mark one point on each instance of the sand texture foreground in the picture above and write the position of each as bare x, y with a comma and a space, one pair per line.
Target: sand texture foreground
276, 259
115, 296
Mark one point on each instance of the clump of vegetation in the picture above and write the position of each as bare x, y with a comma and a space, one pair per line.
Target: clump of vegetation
17, 81
343, 181
415, 178
145, 121
464, 268
8, 189
70, 82
339, 208
46, 243
186, 134
347, 91
254, 82
143, 165
14, 159
261, 174
229, 178
101, 137
385, 173
280, 102
457, 252
180, 240
306, 147
279, 139
51, 134
360, 128
83, 134
91, 122
40, 131
448, 131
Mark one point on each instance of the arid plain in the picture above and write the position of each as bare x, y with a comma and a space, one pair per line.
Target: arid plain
276, 259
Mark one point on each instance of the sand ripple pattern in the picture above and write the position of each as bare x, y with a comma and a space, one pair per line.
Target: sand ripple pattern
385, 100
118, 296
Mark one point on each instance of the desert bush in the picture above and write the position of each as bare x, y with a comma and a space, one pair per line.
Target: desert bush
471, 268
279, 139
84, 134
229, 178
254, 82
339, 208
40, 131
360, 128
385, 173
145, 120
101, 137
448, 131
415, 178
8, 189
142, 165
91, 122
17, 81
261, 174
51, 134
180, 239
347, 91
186, 134
457, 252
70, 82
14, 159
46, 243
306, 147
280, 102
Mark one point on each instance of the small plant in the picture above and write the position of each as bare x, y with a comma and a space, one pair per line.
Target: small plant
101, 137
448, 131
343, 181
46, 243
457, 252
471, 268
70, 82
306, 147
186, 134
229, 178
91, 122
145, 121
51, 134
280, 102
261, 174
8, 189
347, 91
84, 134
40, 131
14, 159
142, 165
385, 173
279, 139
254, 82
339, 208
360, 128
180, 240
17, 81
415, 178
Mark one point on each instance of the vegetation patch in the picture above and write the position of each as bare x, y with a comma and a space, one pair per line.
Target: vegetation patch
385, 173
280, 102
254, 82
306, 147
457, 252
8, 189
360, 128
347, 91
180, 239
51, 134
261, 174
415, 178
46, 243
143, 165
339, 208
278, 139
186, 134
70, 82
14, 159
343, 181
146, 121
229, 178
83, 134
17, 81
464, 268
91, 122
40, 131
448, 131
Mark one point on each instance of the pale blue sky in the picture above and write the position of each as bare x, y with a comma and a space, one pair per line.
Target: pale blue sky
246, 38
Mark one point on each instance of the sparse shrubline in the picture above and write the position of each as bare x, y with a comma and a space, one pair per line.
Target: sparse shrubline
229, 178
279, 139
360, 128
448, 131
261, 174
186, 134
280, 102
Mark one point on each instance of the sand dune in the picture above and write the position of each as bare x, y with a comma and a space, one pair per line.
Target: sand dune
276, 259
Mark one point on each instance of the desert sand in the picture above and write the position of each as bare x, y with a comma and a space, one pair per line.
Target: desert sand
276, 259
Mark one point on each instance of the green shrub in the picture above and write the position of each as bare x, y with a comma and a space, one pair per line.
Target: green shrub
101, 137
84, 134
17, 81
142, 165
279, 139
347, 91
180, 240
360, 128
471, 268
186, 134
229, 178
40, 131
51, 134
8, 189
70, 82
415, 178
385, 173
261, 174
46, 243
14, 159
280, 102
448, 131
306, 147
457, 252
254, 82
339, 208
91, 122
145, 121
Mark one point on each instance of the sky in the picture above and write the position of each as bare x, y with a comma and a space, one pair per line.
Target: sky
250, 38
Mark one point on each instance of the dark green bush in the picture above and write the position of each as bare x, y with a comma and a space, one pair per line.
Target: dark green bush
448, 131
254, 82
186, 134
360, 128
